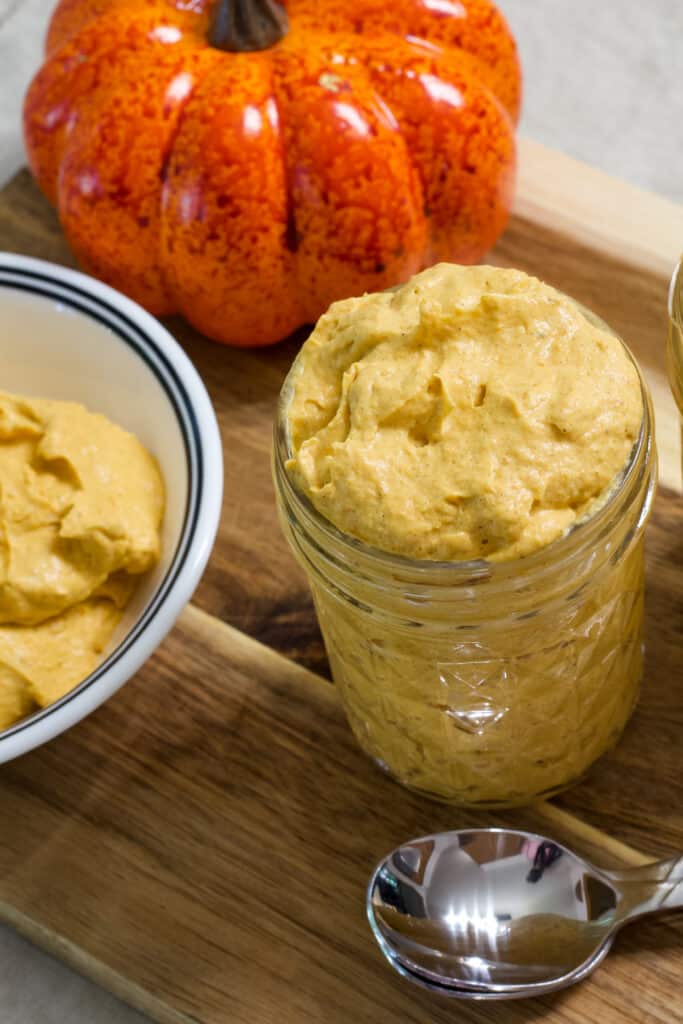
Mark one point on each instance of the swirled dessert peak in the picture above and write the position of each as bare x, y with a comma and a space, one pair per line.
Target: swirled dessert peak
473, 412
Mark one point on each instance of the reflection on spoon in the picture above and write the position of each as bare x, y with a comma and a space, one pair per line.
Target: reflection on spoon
494, 913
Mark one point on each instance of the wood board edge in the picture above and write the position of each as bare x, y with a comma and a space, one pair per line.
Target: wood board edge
598, 210
89, 967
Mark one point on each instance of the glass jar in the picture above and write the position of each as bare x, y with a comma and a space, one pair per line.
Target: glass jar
675, 346
477, 683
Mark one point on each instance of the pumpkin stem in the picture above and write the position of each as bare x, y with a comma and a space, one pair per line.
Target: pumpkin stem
243, 25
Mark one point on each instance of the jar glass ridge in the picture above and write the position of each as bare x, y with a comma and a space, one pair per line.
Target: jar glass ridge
675, 341
478, 683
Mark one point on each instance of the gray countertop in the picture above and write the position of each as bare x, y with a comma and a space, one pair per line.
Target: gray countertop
601, 83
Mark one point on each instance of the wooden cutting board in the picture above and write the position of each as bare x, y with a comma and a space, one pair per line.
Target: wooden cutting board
201, 844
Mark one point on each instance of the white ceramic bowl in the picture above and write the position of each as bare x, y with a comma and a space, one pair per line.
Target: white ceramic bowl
64, 335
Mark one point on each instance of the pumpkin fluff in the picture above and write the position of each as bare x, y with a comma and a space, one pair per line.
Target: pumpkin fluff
472, 413
249, 190
81, 503
480, 425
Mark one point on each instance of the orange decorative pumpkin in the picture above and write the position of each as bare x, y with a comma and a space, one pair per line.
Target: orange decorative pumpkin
246, 162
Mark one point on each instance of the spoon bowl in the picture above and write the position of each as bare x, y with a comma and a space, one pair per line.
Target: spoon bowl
496, 913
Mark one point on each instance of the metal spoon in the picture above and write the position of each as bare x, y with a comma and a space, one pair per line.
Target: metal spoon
499, 914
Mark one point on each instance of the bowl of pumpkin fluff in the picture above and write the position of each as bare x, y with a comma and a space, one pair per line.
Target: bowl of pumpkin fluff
110, 494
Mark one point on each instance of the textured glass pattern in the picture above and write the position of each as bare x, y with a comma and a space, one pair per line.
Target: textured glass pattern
495, 713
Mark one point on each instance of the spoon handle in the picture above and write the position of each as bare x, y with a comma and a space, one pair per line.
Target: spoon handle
650, 888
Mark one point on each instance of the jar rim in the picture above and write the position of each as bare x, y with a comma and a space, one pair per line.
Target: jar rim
621, 492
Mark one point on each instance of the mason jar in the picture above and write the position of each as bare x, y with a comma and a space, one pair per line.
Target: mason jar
477, 683
675, 346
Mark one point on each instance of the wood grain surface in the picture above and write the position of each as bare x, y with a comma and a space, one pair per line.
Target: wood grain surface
208, 836
201, 844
